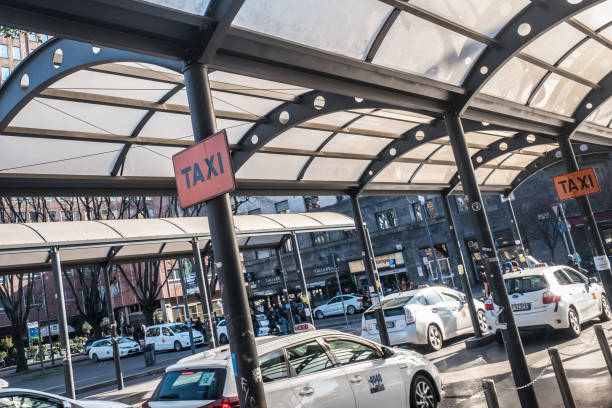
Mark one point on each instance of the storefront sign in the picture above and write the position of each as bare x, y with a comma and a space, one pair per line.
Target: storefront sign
382, 262
602, 263
576, 184
204, 171
324, 270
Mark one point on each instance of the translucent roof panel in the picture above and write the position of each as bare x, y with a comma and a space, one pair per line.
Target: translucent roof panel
347, 143
481, 138
256, 84
303, 139
596, 16
603, 114
376, 123
272, 167
549, 49
396, 172
560, 95
150, 161
345, 27
336, 119
328, 169
591, 61
165, 125
433, 173
502, 177
442, 54
514, 81
421, 152
188, 6
520, 160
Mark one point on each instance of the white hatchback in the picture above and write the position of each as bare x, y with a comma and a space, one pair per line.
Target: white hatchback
315, 369
554, 297
171, 336
424, 316
103, 349
352, 304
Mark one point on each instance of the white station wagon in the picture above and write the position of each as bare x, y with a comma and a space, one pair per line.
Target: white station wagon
172, 336
314, 369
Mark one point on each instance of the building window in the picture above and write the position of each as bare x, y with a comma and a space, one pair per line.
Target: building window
3, 51
173, 277
385, 219
416, 209
461, 203
32, 37
17, 53
491, 202
282, 207
319, 238
430, 209
43, 37
312, 202
255, 211
6, 72
262, 254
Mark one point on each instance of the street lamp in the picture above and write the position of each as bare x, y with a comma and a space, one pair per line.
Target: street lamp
431, 245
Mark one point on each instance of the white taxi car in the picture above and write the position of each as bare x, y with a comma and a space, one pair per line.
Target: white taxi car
352, 304
103, 349
23, 398
172, 336
424, 316
554, 297
314, 369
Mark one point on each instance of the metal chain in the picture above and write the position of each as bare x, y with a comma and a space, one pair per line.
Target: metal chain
529, 384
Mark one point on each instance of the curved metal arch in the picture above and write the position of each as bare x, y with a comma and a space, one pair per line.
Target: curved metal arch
593, 100
541, 17
41, 72
306, 108
551, 158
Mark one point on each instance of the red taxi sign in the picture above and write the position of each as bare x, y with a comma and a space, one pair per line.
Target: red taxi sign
576, 184
303, 327
204, 170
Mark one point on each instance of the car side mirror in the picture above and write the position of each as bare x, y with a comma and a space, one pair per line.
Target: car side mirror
592, 280
66, 404
387, 352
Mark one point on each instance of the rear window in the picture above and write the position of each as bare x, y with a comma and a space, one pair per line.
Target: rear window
397, 311
525, 284
188, 385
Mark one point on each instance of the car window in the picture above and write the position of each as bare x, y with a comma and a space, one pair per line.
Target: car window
166, 331
432, 297
333, 300
153, 332
525, 284
348, 352
106, 343
191, 385
450, 297
562, 278
25, 401
222, 323
348, 297
125, 341
308, 358
420, 299
273, 366
575, 276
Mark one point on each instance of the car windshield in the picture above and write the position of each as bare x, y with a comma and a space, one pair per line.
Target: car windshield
525, 284
205, 384
179, 328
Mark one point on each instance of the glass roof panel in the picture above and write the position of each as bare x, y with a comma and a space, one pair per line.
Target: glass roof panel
150, 161
235, 129
591, 61
188, 6
603, 114
403, 115
521, 160
484, 16
446, 153
481, 138
166, 125
421, 152
345, 27
499, 159
337, 119
596, 16
559, 95
302, 139
50, 156
382, 124
442, 54
396, 172
242, 103
481, 174
549, 49
540, 148
272, 167
607, 33
434, 173
347, 143
514, 81
329, 169
501, 177
255, 83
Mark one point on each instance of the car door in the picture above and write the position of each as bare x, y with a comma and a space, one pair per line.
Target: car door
152, 337
278, 386
458, 308
373, 380
21, 399
436, 306
166, 338
106, 349
317, 382
589, 301
334, 306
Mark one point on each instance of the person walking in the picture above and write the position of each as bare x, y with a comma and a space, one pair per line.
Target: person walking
255, 323
483, 277
404, 285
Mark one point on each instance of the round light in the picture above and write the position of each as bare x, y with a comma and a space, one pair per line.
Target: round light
58, 58
584, 148
530, 138
503, 146
283, 117
319, 102
393, 151
95, 49
479, 159
485, 124
558, 154
589, 105
254, 139
524, 29
484, 70
419, 135
358, 100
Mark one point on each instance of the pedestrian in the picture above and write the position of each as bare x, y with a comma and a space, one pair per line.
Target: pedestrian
255, 323
516, 267
507, 267
571, 262
404, 285
283, 323
483, 278
411, 285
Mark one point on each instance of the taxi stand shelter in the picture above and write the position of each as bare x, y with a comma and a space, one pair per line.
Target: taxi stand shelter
347, 97
35, 247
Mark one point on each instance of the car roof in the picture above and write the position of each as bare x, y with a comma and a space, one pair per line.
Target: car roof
539, 271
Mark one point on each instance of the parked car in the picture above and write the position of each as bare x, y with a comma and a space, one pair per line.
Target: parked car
103, 349
18, 397
264, 330
171, 336
352, 303
554, 297
428, 316
319, 368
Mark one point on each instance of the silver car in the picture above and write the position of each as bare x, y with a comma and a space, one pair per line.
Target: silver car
20, 398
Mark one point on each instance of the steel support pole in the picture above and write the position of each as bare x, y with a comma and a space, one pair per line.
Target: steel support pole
227, 257
186, 304
113, 323
465, 282
204, 293
283, 277
44, 289
512, 340
371, 272
300, 269
516, 232
590, 224
62, 320
567, 228
603, 344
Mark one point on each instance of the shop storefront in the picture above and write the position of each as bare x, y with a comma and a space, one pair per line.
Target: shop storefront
391, 269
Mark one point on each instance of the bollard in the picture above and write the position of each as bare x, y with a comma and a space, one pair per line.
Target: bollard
566, 392
605, 347
488, 386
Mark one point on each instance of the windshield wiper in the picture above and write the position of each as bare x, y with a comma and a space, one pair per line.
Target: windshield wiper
169, 396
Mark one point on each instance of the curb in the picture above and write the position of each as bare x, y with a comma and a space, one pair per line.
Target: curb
474, 342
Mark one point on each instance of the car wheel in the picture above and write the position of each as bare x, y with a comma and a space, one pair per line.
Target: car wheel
422, 393
223, 339
319, 315
95, 358
574, 328
482, 321
606, 313
434, 337
177, 346
351, 310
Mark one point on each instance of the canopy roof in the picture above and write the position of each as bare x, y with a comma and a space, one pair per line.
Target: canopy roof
26, 246
318, 97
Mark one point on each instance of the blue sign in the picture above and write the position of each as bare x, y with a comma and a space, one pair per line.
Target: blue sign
392, 262
33, 332
560, 226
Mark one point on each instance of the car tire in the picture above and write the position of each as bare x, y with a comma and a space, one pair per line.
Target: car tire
482, 321
319, 315
178, 346
351, 310
95, 358
606, 312
434, 337
223, 339
422, 392
574, 328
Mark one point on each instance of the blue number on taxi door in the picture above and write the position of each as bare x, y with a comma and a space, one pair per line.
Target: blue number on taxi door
376, 383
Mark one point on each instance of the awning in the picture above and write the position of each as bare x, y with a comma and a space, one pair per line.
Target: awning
600, 217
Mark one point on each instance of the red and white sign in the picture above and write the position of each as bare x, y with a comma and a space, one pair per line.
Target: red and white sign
204, 171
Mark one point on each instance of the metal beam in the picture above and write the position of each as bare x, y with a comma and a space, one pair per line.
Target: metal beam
595, 98
382, 34
594, 35
223, 11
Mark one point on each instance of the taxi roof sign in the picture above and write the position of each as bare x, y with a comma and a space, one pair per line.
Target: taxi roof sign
576, 184
302, 327
204, 170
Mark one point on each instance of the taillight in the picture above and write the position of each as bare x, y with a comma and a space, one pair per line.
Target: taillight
549, 297
409, 317
489, 304
145, 405
358, 300
225, 402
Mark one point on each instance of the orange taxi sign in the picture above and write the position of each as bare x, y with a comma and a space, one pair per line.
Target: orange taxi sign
576, 184
204, 170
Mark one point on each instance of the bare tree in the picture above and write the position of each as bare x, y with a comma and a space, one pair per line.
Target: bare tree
546, 231
92, 308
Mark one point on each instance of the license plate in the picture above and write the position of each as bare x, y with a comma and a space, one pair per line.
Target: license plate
520, 307
390, 325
